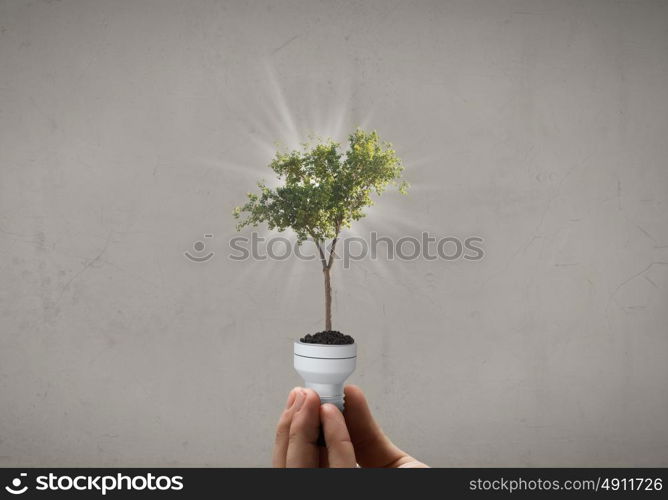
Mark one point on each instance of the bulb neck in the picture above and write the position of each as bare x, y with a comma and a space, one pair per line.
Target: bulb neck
329, 393
325, 368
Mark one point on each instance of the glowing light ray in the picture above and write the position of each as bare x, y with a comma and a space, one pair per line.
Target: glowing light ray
340, 116
282, 108
328, 115
238, 168
393, 220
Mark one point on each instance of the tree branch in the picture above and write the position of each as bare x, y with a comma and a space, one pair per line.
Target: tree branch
322, 254
331, 251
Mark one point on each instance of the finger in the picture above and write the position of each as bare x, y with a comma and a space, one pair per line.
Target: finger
303, 437
410, 463
295, 398
340, 451
372, 447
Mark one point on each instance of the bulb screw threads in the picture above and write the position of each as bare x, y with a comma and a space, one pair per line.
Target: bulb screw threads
337, 401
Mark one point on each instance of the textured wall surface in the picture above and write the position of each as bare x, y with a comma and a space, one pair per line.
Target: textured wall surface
128, 130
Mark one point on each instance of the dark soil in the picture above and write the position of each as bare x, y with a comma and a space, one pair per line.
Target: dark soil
331, 337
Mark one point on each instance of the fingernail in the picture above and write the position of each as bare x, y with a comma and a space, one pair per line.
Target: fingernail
300, 398
291, 398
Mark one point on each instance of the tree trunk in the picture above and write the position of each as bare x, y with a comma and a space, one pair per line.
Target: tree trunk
328, 299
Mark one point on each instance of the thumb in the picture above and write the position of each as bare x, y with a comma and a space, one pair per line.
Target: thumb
372, 447
340, 452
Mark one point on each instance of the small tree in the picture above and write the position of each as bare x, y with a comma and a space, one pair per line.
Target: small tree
323, 191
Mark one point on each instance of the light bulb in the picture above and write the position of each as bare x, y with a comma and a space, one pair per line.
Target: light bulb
325, 368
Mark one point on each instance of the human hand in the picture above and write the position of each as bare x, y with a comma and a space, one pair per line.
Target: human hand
352, 437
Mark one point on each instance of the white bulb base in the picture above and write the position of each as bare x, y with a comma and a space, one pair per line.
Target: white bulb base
325, 368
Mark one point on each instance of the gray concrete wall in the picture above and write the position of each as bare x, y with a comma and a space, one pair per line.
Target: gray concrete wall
128, 130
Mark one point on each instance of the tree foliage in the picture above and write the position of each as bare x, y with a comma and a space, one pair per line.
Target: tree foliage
323, 189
